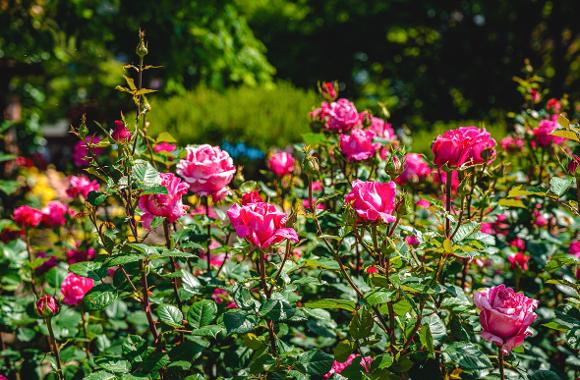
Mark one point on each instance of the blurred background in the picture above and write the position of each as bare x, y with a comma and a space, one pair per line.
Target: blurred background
244, 72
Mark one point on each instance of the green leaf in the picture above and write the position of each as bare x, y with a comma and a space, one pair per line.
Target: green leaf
146, 174
467, 356
122, 260
96, 198
316, 363
361, 324
201, 313
277, 310
190, 283
89, 269
118, 366
559, 186
100, 375
170, 315
544, 374
465, 231
210, 330
343, 349
8, 187
237, 322
332, 303
99, 297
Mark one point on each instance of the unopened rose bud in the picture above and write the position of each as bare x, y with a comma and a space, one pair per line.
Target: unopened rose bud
121, 133
311, 166
328, 91
142, 50
47, 306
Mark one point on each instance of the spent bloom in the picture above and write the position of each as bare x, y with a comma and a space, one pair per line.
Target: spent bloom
505, 316
414, 169
81, 151
208, 170
47, 306
358, 145
262, 224
463, 146
121, 133
26, 216
373, 201
74, 288
169, 206
53, 215
81, 185
281, 163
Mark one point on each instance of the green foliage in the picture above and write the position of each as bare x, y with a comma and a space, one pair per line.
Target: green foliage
259, 117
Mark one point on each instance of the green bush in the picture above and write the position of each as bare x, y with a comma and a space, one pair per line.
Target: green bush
259, 117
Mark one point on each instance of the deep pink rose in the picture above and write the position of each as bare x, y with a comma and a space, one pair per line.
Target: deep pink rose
169, 206
573, 164
463, 146
358, 145
414, 169
328, 91
251, 197
373, 201
81, 151
553, 105
74, 288
262, 224
338, 367
382, 129
512, 143
208, 170
81, 185
53, 215
505, 316
164, 147
79, 254
543, 133
574, 249
26, 216
424, 203
412, 240
539, 218
339, 116
519, 260
121, 133
220, 296
281, 163
47, 306
518, 243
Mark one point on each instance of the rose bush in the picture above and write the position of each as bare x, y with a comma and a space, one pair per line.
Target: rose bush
369, 261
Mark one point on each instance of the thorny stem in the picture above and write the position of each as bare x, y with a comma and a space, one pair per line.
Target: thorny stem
284, 259
448, 203
208, 235
500, 362
391, 329
260, 264
55, 349
147, 305
173, 265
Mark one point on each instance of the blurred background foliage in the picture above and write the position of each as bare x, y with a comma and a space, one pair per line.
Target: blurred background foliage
245, 70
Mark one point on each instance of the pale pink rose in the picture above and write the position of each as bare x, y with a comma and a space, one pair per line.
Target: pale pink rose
208, 170
281, 163
505, 316
81, 151
251, 197
164, 147
373, 201
121, 133
74, 288
358, 145
414, 169
26, 216
262, 224
382, 129
53, 215
47, 306
519, 260
169, 206
79, 254
338, 367
463, 146
202, 210
543, 133
512, 143
574, 249
81, 185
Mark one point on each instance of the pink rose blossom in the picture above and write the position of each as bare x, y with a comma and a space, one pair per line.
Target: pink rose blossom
486, 228
339, 116
519, 260
414, 169
373, 201
79, 254
251, 197
463, 146
47, 306
81, 151
328, 91
262, 224
164, 147
358, 145
543, 133
424, 203
74, 288
574, 249
53, 215
26, 216
412, 240
121, 133
281, 163
208, 170
202, 210
81, 185
518, 243
505, 316
372, 269
539, 218
553, 105
338, 367
512, 143
169, 206
382, 129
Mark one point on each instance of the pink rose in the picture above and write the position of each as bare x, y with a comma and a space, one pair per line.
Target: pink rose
281, 163
358, 145
553, 105
79, 254
382, 129
463, 146
164, 147
373, 201
505, 316
414, 169
251, 197
47, 306
519, 260
539, 218
573, 164
81, 151
424, 203
512, 143
169, 206
53, 215
574, 249
26, 216
339, 116
220, 296
338, 367
74, 288
518, 243
208, 170
262, 224
121, 133
543, 133
412, 240
81, 185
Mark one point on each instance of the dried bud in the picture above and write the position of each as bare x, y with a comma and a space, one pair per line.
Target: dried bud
142, 50
311, 166
47, 306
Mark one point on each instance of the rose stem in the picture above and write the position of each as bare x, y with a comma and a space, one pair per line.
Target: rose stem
54, 348
500, 361
208, 235
173, 265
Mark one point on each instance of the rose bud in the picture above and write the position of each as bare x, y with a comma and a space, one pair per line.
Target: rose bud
121, 133
47, 306
281, 163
